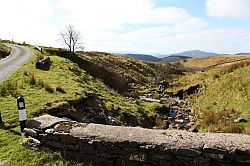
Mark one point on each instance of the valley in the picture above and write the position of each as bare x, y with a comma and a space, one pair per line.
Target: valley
125, 83
103, 88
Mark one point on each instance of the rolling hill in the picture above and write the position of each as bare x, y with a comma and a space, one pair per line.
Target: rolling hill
144, 57
224, 92
212, 61
174, 58
171, 57
77, 86
116, 71
195, 54
88, 87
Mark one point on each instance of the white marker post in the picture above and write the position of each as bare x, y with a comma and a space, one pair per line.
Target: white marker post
22, 114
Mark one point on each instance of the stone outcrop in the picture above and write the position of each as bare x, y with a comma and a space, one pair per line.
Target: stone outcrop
43, 64
117, 145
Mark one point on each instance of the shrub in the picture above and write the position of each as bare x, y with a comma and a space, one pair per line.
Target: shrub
32, 79
211, 117
12, 89
247, 131
60, 89
220, 121
9, 88
48, 88
40, 83
158, 121
3, 90
238, 65
134, 95
232, 128
26, 73
216, 76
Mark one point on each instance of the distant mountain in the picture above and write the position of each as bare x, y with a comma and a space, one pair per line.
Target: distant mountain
174, 58
169, 57
144, 57
242, 53
195, 54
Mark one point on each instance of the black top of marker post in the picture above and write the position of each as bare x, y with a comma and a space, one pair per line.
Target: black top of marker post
20, 100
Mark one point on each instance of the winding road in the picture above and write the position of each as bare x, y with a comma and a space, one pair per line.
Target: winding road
19, 55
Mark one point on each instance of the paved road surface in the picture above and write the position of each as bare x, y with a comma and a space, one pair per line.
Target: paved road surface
19, 55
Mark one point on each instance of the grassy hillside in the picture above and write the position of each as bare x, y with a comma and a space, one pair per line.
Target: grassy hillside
224, 94
87, 87
4, 51
227, 92
117, 72
67, 89
203, 63
20, 83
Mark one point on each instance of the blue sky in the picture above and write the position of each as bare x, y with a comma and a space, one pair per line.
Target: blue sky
141, 26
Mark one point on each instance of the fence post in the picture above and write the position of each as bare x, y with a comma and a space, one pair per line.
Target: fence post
1, 120
22, 114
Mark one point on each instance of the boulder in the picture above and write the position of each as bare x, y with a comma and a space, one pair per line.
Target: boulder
44, 64
240, 120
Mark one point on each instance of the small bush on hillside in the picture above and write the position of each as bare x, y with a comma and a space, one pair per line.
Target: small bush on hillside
48, 88
3, 90
26, 73
220, 121
216, 76
135, 95
211, 117
9, 88
158, 120
32, 79
235, 66
232, 128
60, 89
247, 131
12, 89
40, 83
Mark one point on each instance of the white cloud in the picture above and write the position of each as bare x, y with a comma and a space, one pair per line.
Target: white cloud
26, 20
102, 21
228, 8
170, 40
118, 25
112, 14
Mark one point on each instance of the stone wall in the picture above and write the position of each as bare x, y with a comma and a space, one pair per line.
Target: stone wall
117, 145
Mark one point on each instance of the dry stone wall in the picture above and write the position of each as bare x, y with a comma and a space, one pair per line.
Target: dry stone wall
117, 145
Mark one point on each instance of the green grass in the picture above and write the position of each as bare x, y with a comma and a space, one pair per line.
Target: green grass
224, 89
13, 153
133, 69
36, 97
118, 72
76, 83
230, 91
211, 61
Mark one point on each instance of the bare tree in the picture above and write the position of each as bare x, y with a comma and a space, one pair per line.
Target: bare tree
72, 38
